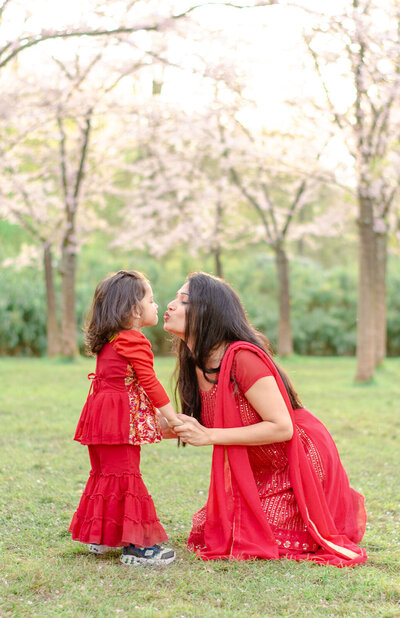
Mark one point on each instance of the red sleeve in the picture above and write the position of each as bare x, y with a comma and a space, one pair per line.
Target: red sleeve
248, 367
134, 346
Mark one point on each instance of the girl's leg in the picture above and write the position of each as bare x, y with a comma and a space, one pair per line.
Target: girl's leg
116, 508
95, 460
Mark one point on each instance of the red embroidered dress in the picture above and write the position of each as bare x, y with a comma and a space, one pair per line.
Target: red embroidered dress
256, 505
121, 406
119, 415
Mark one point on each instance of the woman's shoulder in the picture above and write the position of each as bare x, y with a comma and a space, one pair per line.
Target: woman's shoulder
249, 358
248, 366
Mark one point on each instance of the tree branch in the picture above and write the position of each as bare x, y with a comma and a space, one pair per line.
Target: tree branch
26, 42
387, 204
270, 205
3, 6
233, 5
236, 179
63, 159
338, 118
85, 143
292, 210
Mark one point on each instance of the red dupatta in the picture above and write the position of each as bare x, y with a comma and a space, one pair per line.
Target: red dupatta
236, 527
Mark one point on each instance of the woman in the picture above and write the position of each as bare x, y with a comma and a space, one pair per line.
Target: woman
277, 486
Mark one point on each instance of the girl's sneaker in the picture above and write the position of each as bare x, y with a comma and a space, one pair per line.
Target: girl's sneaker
100, 549
155, 555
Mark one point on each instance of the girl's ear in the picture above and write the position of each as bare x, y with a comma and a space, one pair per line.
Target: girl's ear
135, 315
135, 312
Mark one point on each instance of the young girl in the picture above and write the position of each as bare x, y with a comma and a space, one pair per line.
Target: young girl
120, 414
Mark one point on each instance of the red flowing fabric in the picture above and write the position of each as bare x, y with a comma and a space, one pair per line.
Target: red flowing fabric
236, 527
115, 508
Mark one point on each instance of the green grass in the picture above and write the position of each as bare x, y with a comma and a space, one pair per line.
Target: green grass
43, 472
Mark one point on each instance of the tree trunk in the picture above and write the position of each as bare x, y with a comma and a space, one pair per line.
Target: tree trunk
380, 300
69, 252
218, 227
300, 243
156, 87
68, 309
53, 332
366, 347
285, 342
218, 262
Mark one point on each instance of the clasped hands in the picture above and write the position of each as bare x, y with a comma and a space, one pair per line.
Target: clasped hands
191, 431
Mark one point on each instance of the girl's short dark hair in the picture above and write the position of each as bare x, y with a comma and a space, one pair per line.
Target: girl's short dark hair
111, 308
214, 316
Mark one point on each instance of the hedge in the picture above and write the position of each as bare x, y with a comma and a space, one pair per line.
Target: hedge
323, 312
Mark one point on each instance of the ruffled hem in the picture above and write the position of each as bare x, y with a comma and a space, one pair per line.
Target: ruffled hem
104, 531
104, 419
115, 510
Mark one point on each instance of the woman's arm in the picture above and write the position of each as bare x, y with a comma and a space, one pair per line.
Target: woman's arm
266, 399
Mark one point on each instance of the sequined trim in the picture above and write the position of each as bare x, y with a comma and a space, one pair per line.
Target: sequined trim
313, 454
270, 467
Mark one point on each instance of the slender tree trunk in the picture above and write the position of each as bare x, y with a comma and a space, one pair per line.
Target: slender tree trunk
285, 342
156, 87
68, 311
218, 227
380, 300
69, 249
300, 243
53, 332
366, 356
218, 262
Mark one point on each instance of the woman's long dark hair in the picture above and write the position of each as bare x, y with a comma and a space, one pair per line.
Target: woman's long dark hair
111, 308
214, 316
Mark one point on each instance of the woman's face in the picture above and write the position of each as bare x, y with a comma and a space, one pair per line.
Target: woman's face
175, 316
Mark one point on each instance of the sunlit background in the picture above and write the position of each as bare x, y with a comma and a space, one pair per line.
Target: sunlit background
247, 139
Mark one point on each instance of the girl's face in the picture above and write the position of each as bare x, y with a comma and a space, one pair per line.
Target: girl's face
148, 315
175, 316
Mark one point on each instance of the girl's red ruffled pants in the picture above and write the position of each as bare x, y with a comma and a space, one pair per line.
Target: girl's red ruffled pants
116, 508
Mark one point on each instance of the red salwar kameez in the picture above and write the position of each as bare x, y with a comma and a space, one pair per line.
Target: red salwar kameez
119, 415
288, 499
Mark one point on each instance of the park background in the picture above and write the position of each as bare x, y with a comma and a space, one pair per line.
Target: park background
258, 141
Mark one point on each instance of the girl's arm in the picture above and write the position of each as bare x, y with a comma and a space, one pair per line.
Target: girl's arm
168, 412
166, 430
266, 399
134, 346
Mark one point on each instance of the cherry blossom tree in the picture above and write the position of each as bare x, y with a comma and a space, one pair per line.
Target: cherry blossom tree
98, 18
58, 165
208, 182
133, 28
276, 187
359, 50
180, 194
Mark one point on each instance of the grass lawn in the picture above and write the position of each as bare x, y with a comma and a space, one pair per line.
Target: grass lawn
43, 472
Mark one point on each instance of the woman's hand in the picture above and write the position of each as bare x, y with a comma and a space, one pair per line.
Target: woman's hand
192, 432
275, 423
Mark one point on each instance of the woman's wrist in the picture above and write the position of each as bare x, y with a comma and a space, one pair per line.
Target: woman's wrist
211, 437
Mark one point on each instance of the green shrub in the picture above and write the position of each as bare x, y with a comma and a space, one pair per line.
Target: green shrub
393, 310
323, 307
324, 310
22, 313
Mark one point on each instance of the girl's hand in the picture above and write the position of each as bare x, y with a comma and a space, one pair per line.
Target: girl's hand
192, 432
167, 432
